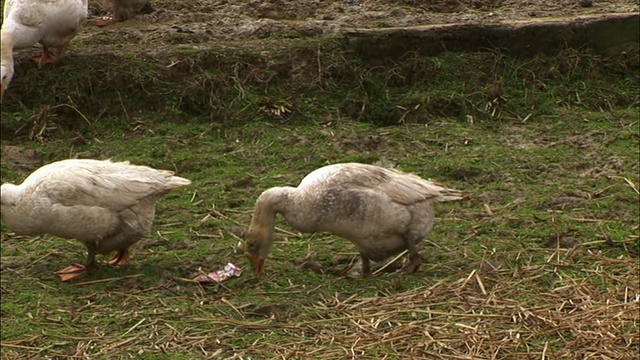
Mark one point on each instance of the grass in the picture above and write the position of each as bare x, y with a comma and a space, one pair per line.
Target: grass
542, 262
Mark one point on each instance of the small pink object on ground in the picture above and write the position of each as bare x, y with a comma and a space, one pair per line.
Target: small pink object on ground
225, 274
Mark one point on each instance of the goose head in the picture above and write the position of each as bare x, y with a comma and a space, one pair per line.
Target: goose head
6, 59
9, 195
260, 239
260, 234
6, 67
256, 262
7, 74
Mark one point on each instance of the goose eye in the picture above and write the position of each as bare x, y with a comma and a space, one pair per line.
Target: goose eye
252, 246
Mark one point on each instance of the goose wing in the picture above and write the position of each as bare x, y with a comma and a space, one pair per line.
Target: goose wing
114, 186
9, 5
402, 188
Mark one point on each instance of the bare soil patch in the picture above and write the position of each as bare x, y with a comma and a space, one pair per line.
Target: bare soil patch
196, 22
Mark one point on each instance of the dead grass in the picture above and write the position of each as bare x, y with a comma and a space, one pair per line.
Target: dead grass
482, 314
501, 278
542, 263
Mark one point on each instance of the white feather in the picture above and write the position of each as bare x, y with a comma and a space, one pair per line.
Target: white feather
107, 204
53, 23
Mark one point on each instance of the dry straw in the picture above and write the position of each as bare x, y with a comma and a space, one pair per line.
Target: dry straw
588, 310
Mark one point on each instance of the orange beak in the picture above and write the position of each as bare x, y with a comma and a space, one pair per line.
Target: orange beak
257, 263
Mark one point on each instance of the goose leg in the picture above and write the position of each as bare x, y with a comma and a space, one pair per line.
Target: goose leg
414, 257
61, 48
44, 57
366, 269
121, 258
77, 271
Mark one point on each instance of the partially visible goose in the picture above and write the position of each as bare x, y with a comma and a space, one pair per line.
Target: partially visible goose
121, 9
52, 23
106, 205
381, 211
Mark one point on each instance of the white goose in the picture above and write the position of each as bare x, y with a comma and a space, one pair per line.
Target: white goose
382, 211
52, 23
106, 205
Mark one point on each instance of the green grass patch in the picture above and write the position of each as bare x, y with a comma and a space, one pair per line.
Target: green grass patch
543, 259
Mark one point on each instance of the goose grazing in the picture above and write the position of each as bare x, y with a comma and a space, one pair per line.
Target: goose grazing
52, 23
106, 205
122, 10
381, 211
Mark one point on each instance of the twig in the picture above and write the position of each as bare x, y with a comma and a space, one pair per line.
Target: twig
76, 110
631, 183
390, 262
233, 307
4, 344
134, 326
288, 232
106, 280
40, 258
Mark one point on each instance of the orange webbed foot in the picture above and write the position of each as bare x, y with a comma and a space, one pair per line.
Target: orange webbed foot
121, 258
106, 20
44, 58
414, 265
75, 271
